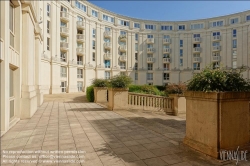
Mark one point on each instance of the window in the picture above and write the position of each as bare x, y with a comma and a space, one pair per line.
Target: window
216, 24
234, 20
123, 23
181, 62
196, 66
63, 24
150, 36
48, 41
216, 65
166, 27
63, 86
150, 45
136, 46
93, 32
79, 73
234, 64
63, 9
136, 25
123, 73
63, 56
136, 56
123, 32
234, 43
136, 36
181, 53
48, 10
94, 13
166, 56
181, 27
108, 18
234, 32
11, 94
196, 45
79, 60
93, 56
216, 44
93, 44
165, 66
11, 25
248, 18
166, 37
150, 66
181, 43
196, 35
136, 66
217, 54
165, 76
216, 33
80, 6
107, 63
79, 86
79, 18
123, 65
149, 76
196, 26
48, 25
63, 71
136, 76
63, 39
107, 29
152, 27
234, 54
107, 75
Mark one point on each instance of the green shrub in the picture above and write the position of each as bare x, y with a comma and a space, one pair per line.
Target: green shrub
133, 88
120, 81
160, 87
147, 89
218, 80
99, 82
176, 88
90, 93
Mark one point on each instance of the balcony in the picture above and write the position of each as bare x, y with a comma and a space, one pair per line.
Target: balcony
197, 40
217, 38
123, 48
150, 60
197, 59
80, 51
166, 60
216, 48
79, 63
197, 49
64, 31
64, 16
166, 41
150, 40
80, 25
216, 58
64, 46
107, 34
166, 50
123, 38
80, 38
107, 56
123, 58
150, 50
107, 45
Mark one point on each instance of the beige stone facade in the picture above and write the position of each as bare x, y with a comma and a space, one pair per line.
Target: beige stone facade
49, 47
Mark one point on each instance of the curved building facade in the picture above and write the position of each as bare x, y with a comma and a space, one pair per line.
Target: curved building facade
49, 47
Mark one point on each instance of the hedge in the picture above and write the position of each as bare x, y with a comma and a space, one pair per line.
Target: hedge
90, 93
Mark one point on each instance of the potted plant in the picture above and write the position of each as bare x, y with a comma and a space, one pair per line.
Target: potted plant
100, 90
217, 111
118, 92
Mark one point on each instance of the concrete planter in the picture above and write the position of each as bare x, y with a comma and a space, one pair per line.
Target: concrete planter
217, 121
179, 104
118, 98
100, 94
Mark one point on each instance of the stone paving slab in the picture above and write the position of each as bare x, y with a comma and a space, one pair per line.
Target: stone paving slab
68, 123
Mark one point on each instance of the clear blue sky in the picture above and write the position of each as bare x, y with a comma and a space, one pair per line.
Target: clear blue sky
173, 10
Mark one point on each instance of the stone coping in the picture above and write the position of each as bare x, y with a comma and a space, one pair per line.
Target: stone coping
100, 88
118, 89
148, 95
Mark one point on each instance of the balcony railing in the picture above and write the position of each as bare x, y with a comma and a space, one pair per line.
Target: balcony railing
123, 48
150, 40
216, 58
197, 40
166, 60
107, 45
107, 56
217, 38
151, 102
64, 46
216, 48
64, 31
150, 60
79, 62
80, 25
123, 37
197, 49
123, 58
107, 34
64, 16
197, 59
166, 50
166, 41
80, 51
80, 37
150, 50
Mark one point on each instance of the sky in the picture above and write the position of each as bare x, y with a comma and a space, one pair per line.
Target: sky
173, 10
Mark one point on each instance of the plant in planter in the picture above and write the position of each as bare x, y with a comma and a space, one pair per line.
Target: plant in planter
100, 90
118, 92
217, 111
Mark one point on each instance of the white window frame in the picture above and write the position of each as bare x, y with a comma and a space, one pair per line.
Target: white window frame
93, 56
79, 73
63, 71
122, 65
48, 9
150, 66
137, 25
166, 77
136, 76
166, 27
94, 13
150, 27
48, 43
150, 76
198, 66
197, 26
93, 32
218, 23
63, 56
181, 27
48, 26
234, 20
107, 74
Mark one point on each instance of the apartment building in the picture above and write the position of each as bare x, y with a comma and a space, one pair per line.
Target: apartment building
49, 47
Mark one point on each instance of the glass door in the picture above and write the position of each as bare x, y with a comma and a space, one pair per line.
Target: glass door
63, 86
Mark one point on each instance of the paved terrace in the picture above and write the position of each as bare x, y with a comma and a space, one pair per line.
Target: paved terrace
133, 138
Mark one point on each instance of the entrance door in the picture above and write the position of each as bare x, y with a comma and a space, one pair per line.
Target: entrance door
79, 86
63, 86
